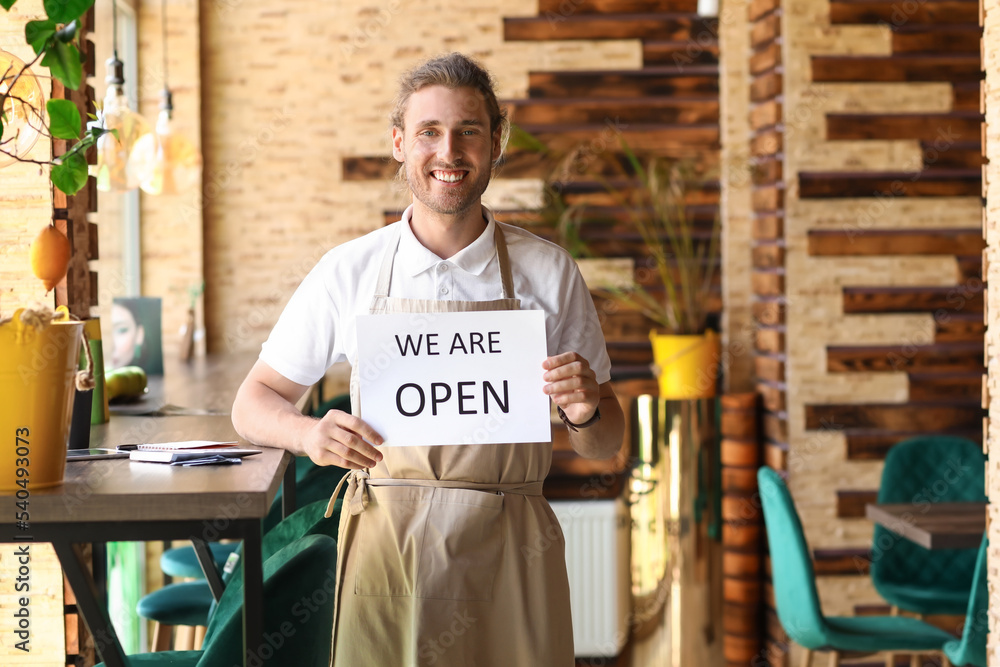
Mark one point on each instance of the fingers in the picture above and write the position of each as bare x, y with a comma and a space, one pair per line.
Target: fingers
344, 440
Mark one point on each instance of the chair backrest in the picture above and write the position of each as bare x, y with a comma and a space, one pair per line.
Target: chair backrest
308, 520
294, 633
972, 649
924, 470
791, 567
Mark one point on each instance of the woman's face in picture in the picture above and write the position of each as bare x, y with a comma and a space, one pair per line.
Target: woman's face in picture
126, 335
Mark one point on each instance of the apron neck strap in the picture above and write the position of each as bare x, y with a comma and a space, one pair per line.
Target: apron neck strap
389, 257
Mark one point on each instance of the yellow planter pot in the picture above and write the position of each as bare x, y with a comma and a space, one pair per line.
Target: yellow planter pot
37, 382
686, 366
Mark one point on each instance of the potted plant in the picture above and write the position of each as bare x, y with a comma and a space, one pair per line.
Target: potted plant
674, 289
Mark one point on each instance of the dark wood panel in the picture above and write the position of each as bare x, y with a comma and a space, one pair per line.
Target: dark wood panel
926, 183
768, 256
771, 368
766, 57
952, 327
949, 386
674, 140
765, 114
767, 170
833, 242
892, 12
776, 429
942, 38
769, 312
923, 417
765, 30
648, 110
369, 168
851, 504
770, 282
739, 480
938, 358
945, 154
681, 53
770, 341
847, 561
630, 352
766, 143
907, 67
555, 9
758, 8
773, 395
872, 445
966, 95
672, 26
956, 126
950, 300
768, 198
766, 86
700, 80
768, 226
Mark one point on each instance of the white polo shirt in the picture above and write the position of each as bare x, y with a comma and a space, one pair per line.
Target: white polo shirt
318, 326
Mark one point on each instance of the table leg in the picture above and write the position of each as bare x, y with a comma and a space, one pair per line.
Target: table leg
288, 490
253, 593
94, 614
208, 567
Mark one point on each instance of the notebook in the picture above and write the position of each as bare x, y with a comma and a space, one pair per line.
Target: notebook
177, 446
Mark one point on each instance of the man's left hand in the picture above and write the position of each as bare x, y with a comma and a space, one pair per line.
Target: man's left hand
572, 385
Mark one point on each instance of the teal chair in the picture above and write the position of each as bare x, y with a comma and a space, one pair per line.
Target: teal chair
298, 570
798, 602
311, 481
971, 648
191, 603
927, 469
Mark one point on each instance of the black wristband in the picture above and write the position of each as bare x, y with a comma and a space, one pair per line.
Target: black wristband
576, 427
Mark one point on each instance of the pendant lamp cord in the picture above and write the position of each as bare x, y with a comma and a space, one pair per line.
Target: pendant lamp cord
163, 22
114, 28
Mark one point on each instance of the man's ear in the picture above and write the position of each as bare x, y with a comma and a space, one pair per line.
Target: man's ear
397, 144
497, 146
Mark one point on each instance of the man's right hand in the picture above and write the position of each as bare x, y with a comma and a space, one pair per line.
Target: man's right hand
343, 440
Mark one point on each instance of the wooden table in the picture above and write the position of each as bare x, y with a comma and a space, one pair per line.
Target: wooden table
933, 525
120, 500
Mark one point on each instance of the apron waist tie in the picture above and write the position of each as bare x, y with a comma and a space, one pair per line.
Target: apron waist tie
359, 481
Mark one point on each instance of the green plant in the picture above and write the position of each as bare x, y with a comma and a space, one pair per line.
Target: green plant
653, 194
54, 41
686, 266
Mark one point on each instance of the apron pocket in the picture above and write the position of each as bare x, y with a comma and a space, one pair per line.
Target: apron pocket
389, 540
461, 546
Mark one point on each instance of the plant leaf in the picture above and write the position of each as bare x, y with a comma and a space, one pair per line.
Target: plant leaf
67, 33
63, 60
64, 119
38, 33
7, 4
71, 175
64, 11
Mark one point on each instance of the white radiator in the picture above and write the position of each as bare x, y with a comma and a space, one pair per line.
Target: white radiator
597, 558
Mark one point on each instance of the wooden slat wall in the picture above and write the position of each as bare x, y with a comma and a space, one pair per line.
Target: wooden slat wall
884, 293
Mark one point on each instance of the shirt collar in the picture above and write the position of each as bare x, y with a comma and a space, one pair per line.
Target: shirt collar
413, 258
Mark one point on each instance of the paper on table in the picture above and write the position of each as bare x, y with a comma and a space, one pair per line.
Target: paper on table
170, 456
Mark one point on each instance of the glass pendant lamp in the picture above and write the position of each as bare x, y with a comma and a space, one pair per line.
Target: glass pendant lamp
113, 154
164, 162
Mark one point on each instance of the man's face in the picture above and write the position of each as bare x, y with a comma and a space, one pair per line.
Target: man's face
447, 148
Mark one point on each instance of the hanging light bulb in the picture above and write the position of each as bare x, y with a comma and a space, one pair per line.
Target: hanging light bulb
112, 154
164, 162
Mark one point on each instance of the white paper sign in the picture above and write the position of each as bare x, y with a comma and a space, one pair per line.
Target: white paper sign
454, 378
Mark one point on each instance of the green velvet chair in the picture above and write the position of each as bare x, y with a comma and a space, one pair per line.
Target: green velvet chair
300, 569
191, 603
927, 469
798, 602
971, 648
311, 481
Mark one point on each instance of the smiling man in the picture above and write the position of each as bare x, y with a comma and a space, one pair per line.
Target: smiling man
449, 554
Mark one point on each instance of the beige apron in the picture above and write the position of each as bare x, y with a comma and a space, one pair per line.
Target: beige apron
450, 555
